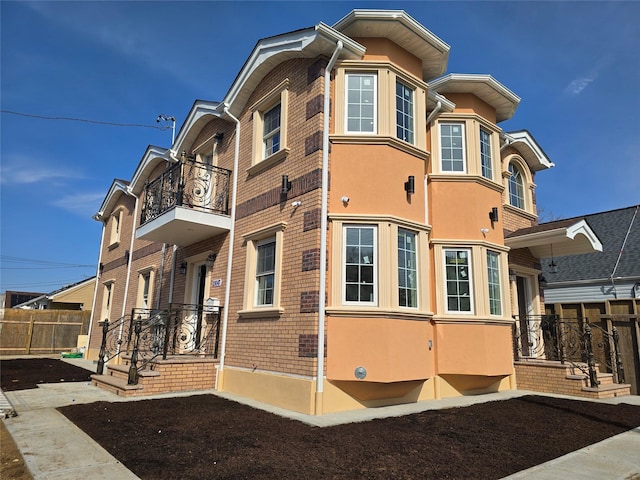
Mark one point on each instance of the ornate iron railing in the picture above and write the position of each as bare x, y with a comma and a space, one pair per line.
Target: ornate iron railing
575, 341
148, 334
190, 184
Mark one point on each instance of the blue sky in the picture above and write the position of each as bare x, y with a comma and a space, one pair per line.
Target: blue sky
575, 66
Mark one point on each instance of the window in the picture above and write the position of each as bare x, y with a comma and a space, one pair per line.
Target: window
485, 154
407, 274
493, 276
145, 290
116, 219
265, 271
404, 112
361, 103
270, 114
360, 264
452, 147
271, 131
516, 187
458, 279
107, 298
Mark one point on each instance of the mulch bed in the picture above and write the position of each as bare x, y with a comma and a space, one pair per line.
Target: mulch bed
24, 373
204, 436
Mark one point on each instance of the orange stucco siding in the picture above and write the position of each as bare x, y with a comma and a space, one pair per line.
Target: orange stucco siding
384, 50
373, 178
391, 350
469, 103
474, 349
458, 210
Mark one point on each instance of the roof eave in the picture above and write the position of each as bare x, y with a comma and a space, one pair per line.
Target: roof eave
575, 239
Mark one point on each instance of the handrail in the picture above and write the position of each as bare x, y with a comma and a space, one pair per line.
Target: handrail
191, 184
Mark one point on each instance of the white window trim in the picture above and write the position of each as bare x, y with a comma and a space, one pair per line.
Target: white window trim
150, 271
250, 309
387, 288
279, 94
376, 105
491, 142
376, 258
264, 241
489, 251
465, 167
107, 292
417, 267
115, 231
472, 282
413, 110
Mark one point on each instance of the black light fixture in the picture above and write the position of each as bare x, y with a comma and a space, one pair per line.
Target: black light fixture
553, 266
183, 268
410, 185
211, 259
493, 214
286, 184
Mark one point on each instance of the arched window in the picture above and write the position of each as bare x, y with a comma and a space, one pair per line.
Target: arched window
516, 187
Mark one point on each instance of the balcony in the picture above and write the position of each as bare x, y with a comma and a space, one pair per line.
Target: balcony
188, 203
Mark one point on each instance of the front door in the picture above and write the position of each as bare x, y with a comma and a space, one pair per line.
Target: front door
192, 329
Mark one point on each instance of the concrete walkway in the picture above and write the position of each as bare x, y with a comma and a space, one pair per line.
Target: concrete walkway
55, 449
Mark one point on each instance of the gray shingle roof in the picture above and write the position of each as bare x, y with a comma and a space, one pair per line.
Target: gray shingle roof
611, 228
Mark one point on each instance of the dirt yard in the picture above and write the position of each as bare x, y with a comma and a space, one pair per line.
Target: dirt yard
204, 436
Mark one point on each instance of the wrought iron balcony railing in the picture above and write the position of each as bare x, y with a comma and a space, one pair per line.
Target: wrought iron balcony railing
187, 184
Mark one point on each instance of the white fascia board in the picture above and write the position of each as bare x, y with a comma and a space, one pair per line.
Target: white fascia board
482, 86
557, 236
147, 162
105, 207
582, 227
526, 139
398, 16
290, 44
472, 78
200, 108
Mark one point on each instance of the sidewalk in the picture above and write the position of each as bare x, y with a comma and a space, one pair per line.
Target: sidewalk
55, 449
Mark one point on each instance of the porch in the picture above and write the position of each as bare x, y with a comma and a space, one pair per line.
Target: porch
568, 356
159, 351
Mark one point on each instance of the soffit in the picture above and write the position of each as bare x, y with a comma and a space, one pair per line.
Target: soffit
403, 30
485, 87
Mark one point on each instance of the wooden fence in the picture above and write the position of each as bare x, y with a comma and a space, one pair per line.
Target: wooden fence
41, 331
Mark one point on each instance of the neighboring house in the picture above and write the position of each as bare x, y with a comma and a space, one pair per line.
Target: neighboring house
13, 298
603, 287
328, 262
77, 296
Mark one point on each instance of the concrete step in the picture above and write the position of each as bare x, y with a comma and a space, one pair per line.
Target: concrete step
115, 385
611, 390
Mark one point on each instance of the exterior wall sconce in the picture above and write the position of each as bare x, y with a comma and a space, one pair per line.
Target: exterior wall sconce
410, 185
211, 259
183, 268
512, 275
493, 214
286, 184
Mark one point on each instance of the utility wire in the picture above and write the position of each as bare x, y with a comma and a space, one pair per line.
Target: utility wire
8, 258
84, 120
